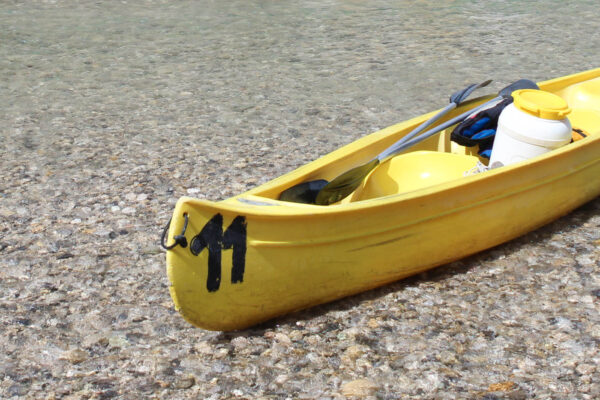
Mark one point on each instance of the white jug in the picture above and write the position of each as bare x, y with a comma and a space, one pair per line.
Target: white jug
533, 124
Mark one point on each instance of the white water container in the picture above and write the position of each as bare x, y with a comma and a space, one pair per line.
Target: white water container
534, 124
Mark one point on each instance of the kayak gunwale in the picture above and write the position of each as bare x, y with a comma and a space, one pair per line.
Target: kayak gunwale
275, 211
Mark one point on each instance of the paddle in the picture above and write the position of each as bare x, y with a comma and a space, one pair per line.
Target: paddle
307, 192
347, 182
455, 99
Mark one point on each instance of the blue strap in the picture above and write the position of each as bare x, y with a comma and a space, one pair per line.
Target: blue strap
476, 127
484, 134
487, 153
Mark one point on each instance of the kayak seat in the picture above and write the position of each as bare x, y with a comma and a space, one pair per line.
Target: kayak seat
583, 95
413, 171
584, 100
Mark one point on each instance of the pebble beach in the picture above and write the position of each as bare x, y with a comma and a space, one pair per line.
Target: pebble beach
111, 111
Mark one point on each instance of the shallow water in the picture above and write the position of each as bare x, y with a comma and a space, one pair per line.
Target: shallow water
324, 71
110, 111
399, 56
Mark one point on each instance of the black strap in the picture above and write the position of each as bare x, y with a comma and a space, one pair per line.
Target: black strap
492, 113
179, 239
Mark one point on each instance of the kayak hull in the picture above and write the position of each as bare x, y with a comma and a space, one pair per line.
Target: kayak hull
251, 258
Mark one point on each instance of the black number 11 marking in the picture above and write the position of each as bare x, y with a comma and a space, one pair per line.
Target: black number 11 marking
215, 240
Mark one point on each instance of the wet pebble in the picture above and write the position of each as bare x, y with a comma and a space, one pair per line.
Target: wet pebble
75, 356
185, 382
360, 388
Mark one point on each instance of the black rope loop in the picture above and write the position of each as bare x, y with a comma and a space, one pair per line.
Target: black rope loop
179, 239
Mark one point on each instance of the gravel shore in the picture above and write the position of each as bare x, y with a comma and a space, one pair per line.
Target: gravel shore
110, 111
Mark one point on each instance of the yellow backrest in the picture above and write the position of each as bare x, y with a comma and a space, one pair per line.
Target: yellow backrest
584, 99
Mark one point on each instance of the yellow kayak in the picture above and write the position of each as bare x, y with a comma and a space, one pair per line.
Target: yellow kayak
252, 257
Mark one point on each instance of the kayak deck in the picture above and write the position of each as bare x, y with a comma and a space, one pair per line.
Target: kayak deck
252, 257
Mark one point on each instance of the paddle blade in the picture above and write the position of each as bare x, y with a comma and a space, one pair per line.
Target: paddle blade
345, 184
460, 95
520, 84
305, 192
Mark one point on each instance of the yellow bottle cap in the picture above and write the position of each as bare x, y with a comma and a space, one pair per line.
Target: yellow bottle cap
541, 104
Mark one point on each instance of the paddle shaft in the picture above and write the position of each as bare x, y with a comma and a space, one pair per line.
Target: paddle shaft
401, 145
346, 183
425, 124
456, 98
